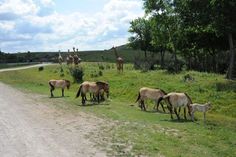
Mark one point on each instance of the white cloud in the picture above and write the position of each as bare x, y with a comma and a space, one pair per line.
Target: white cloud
54, 31
7, 26
47, 3
19, 7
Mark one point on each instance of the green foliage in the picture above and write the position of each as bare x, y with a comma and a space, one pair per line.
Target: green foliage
198, 31
142, 35
77, 73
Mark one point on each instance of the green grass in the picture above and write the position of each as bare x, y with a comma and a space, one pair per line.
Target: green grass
134, 132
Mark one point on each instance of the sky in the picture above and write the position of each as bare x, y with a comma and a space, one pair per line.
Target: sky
53, 25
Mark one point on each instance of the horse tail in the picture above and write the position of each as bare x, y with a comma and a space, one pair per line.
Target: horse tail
79, 91
139, 96
51, 85
189, 99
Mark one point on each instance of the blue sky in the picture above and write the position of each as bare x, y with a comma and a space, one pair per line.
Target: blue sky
52, 25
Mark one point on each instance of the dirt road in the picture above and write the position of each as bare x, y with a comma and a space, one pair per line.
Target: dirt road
34, 126
24, 67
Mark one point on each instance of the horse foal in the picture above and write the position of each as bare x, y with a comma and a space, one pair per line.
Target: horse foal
201, 108
58, 84
150, 93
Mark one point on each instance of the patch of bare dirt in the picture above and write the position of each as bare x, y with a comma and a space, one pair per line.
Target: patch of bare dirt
30, 126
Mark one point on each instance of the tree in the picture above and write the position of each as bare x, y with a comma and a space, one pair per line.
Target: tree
142, 36
165, 30
208, 25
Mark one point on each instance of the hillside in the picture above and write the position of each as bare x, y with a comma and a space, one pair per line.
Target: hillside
89, 56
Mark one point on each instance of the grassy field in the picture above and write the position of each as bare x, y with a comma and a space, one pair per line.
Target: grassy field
134, 132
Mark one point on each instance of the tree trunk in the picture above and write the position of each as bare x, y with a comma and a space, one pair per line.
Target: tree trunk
162, 58
231, 63
145, 54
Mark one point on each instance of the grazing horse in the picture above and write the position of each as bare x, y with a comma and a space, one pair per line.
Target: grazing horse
150, 93
119, 60
59, 84
201, 108
176, 100
94, 88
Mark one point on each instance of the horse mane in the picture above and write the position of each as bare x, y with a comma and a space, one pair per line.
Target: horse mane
163, 91
101, 83
188, 98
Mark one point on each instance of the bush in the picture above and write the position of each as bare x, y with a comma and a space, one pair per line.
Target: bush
101, 67
77, 73
175, 68
144, 64
96, 74
41, 68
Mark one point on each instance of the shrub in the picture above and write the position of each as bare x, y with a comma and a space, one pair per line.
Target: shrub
41, 68
100, 73
77, 73
101, 67
175, 68
96, 74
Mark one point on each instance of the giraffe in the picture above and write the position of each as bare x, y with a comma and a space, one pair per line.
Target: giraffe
119, 60
60, 59
77, 60
69, 58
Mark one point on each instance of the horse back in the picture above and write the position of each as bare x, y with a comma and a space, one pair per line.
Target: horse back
151, 93
178, 99
58, 83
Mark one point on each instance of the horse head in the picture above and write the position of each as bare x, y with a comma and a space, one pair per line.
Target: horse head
104, 86
67, 84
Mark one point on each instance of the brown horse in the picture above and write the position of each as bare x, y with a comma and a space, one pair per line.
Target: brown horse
92, 87
176, 100
59, 84
150, 93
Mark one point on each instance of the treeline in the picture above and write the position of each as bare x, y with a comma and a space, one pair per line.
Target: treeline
199, 34
27, 57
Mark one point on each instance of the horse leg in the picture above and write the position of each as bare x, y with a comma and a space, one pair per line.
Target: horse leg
62, 92
83, 98
192, 115
185, 113
176, 113
51, 92
171, 111
98, 95
156, 106
143, 105
189, 110
179, 110
163, 107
